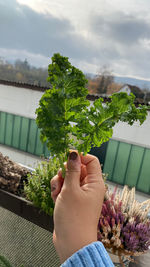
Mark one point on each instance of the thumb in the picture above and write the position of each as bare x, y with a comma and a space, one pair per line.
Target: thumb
73, 170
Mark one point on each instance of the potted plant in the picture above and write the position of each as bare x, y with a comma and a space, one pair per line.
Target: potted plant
23, 199
124, 227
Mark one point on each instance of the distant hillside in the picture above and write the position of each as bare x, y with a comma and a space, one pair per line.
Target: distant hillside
21, 71
140, 83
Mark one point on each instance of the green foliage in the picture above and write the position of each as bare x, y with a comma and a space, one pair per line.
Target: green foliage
4, 262
59, 105
37, 189
66, 119
95, 125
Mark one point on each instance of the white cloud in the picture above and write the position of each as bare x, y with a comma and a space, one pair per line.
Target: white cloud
90, 33
12, 55
78, 11
145, 43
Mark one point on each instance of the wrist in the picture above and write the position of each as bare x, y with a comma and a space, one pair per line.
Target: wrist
66, 248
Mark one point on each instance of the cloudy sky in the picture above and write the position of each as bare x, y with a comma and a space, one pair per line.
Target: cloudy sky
92, 33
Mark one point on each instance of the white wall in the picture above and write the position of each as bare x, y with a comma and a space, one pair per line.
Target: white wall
19, 101
23, 102
135, 134
20, 156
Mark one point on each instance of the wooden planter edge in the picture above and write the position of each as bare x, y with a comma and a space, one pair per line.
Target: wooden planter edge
26, 210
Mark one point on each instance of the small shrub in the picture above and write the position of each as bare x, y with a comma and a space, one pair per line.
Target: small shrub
38, 189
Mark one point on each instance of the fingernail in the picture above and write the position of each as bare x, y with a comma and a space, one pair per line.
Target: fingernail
73, 155
53, 188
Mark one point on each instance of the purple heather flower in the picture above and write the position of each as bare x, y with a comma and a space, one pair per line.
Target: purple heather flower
104, 210
112, 222
114, 193
132, 232
136, 237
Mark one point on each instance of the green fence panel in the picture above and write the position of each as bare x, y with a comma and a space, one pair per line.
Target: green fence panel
16, 131
128, 164
32, 135
125, 163
110, 158
21, 133
9, 129
144, 177
134, 166
39, 148
23, 142
121, 163
2, 126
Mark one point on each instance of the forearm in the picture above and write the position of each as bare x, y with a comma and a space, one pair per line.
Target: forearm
93, 255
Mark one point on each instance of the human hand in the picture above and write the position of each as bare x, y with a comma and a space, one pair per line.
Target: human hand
78, 202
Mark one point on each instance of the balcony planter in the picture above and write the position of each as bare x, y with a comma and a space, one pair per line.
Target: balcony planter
25, 230
26, 210
25, 233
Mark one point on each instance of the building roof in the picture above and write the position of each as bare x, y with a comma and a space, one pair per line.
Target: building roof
134, 89
38, 88
24, 85
90, 97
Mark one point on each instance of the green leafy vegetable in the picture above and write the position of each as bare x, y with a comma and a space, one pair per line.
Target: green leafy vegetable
66, 118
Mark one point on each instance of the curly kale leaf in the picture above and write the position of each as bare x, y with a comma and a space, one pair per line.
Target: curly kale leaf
66, 118
95, 126
60, 104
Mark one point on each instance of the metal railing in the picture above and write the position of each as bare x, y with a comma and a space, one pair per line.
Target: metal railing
128, 164
124, 162
21, 133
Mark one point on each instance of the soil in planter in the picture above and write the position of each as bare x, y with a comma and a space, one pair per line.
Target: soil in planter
12, 175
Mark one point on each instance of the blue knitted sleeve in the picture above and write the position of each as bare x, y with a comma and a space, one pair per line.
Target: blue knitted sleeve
93, 255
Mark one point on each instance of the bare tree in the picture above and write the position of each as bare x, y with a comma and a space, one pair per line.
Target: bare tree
104, 79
